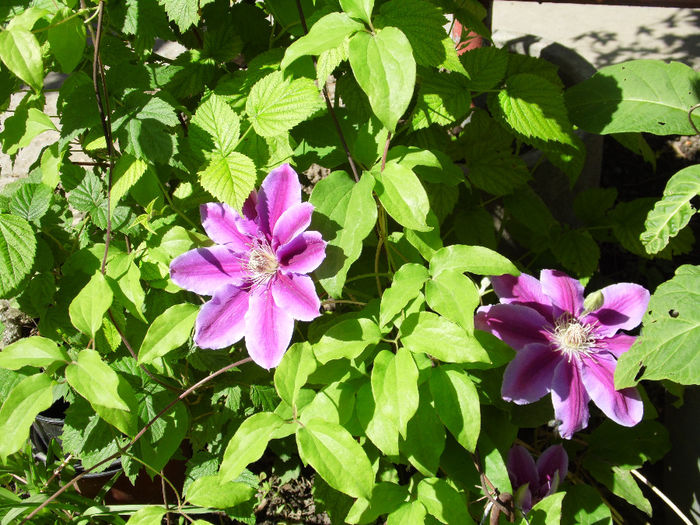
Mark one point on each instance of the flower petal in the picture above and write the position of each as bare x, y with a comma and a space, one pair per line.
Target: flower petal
291, 223
224, 226
569, 398
268, 329
525, 290
529, 375
565, 292
296, 295
221, 321
303, 254
623, 308
514, 324
280, 190
521, 468
205, 270
622, 406
617, 344
552, 461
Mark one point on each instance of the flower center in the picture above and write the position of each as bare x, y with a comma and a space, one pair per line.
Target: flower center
573, 338
262, 264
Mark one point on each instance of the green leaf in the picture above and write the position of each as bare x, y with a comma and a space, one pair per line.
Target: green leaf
169, 331
403, 196
17, 248
473, 259
619, 481
345, 214
67, 39
546, 511
87, 196
495, 171
20, 51
410, 513
443, 501
638, 95
361, 9
443, 99
32, 351
336, 457
90, 305
297, 364
667, 348
386, 498
31, 201
277, 104
149, 515
230, 178
423, 428
87, 436
385, 69
327, 33
184, 13
215, 126
434, 335
454, 296
29, 397
127, 172
395, 389
347, 339
248, 443
457, 404
108, 393
673, 212
23, 127
405, 286
584, 506
210, 491
486, 67
577, 251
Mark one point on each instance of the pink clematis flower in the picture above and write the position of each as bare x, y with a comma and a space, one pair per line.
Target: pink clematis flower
534, 482
563, 348
256, 271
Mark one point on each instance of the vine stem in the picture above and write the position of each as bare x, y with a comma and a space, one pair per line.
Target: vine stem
661, 495
690, 118
138, 436
489, 490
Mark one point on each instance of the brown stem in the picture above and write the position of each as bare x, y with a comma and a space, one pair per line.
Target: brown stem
138, 436
500, 505
386, 150
690, 118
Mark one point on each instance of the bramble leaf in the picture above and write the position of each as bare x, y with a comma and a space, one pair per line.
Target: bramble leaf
17, 249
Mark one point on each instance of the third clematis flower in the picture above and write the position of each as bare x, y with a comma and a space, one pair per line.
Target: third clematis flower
257, 271
532, 481
563, 348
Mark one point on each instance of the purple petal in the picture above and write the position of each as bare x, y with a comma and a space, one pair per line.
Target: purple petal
514, 324
291, 223
525, 290
529, 375
617, 344
569, 398
221, 321
249, 208
268, 329
623, 308
205, 270
303, 254
280, 190
296, 295
553, 461
622, 406
224, 226
566, 293
521, 468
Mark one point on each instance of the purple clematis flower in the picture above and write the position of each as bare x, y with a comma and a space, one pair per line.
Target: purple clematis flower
534, 482
256, 271
563, 348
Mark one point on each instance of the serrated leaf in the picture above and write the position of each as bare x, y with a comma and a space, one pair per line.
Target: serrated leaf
443, 99
20, 51
457, 404
637, 95
277, 104
385, 69
328, 32
673, 212
17, 249
31, 201
32, 351
87, 196
90, 305
230, 178
577, 251
66, 36
336, 457
29, 397
667, 348
473, 259
215, 126
184, 13
486, 67
345, 214
127, 172
497, 172
403, 196
210, 491
169, 330
328, 61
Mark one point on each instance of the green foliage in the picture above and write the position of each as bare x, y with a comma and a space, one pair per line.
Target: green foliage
17, 249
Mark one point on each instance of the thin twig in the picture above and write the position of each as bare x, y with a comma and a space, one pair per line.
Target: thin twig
489, 490
58, 470
690, 118
386, 150
138, 436
661, 495
165, 498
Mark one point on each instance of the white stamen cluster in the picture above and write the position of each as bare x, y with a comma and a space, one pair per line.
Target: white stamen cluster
572, 338
262, 264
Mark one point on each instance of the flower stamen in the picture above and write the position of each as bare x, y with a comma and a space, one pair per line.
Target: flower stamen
573, 338
262, 264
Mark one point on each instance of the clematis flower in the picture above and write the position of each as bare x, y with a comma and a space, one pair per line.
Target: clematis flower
256, 270
533, 482
564, 348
